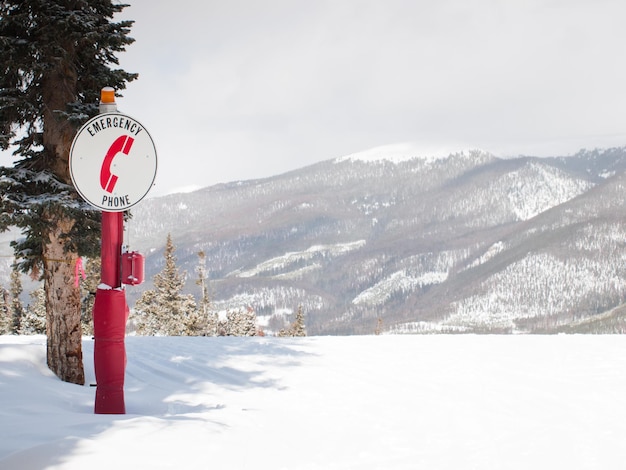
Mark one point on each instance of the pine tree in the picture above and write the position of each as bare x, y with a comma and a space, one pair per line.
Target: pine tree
202, 281
34, 318
210, 317
379, 326
55, 58
88, 287
212, 324
165, 310
240, 322
17, 309
5, 312
297, 328
149, 316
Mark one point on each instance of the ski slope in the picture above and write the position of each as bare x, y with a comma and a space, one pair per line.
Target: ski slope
369, 402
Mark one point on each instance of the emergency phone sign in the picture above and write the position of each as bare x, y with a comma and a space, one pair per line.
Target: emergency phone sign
113, 162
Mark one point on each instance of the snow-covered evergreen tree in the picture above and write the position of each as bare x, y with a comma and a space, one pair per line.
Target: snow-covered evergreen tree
297, 328
148, 315
241, 322
205, 301
379, 326
210, 317
88, 288
5, 312
55, 57
165, 310
17, 309
212, 324
34, 318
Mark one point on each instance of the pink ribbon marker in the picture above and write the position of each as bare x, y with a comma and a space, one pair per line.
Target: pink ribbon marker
78, 271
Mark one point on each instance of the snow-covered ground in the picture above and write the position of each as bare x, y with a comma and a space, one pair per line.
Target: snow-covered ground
377, 402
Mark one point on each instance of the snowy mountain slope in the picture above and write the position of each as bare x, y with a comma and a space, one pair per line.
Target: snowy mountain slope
564, 265
304, 261
437, 238
463, 241
540, 188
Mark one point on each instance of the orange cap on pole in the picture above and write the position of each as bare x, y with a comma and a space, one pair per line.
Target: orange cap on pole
107, 100
107, 95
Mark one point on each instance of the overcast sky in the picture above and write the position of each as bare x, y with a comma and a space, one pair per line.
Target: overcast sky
241, 89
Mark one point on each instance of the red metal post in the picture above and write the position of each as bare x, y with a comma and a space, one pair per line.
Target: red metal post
110, 311
111, 249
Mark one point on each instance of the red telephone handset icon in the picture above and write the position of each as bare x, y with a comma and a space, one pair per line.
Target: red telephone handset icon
107, 179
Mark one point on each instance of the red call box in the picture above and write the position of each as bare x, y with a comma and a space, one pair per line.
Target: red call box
132, 268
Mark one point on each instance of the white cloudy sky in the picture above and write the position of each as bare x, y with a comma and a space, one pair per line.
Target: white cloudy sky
240, 89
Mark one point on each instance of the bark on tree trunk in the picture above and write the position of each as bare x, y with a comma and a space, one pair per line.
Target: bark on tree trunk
64, 347
63, 328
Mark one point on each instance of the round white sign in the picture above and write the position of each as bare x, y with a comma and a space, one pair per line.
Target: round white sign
113, 162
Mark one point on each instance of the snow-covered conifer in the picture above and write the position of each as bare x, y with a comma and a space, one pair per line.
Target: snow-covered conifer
212, 324
379, 326
33, 321
88, 287
5, 312
241, 322
165, 310
297, 328
210, 317
205, 301
55, 57
17, 309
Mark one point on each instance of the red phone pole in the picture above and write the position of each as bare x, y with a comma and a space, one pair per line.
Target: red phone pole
110, 311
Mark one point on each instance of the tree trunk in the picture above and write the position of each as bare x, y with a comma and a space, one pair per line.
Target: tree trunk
64, 347
63, 329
